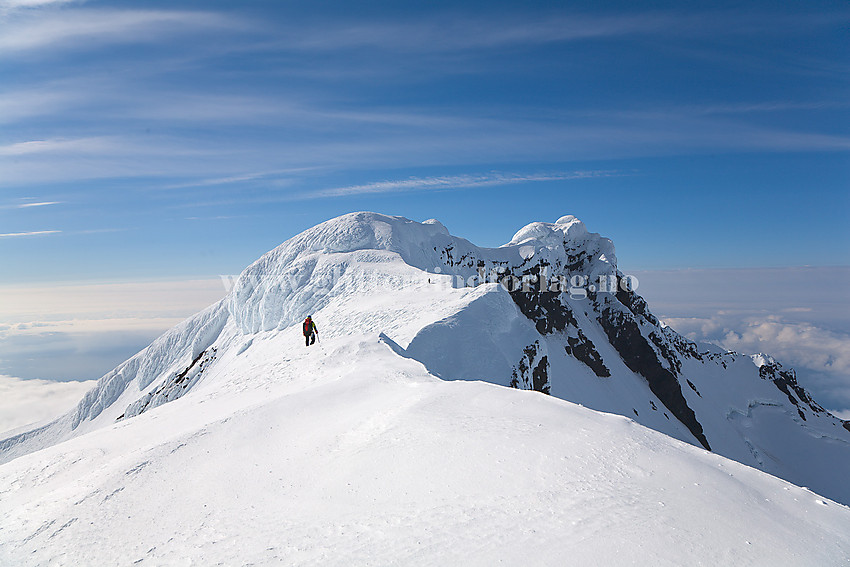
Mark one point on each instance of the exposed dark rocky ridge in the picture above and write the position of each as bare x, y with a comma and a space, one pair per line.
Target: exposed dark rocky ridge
689, 348
540, 376
786, 381
641, 358
531, 372
546, 310
636, 304
656, 361
583, 349
173, 387
619, 314
648, 348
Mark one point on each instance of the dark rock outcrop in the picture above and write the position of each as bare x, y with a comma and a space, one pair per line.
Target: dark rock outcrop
786, 381
636, 352
531, 372
583, 350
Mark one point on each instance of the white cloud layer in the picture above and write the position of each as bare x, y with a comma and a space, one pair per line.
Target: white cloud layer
803, 345
102, 302
82, 331
807, 344
788, 313
843, 414
26, 402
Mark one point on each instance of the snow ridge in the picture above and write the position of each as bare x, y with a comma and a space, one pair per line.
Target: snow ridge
548, 311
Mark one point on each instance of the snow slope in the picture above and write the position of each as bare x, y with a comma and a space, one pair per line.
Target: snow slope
370, 460
392, 440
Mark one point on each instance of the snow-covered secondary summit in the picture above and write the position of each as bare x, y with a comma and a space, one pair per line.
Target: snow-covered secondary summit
401, 437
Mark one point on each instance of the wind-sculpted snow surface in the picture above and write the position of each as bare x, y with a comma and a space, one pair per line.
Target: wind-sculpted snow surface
549, 312
349, 454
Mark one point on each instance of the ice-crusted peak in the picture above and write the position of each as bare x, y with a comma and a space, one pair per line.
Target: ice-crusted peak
415, 242
437, 223
567, 239
567, 229
300, 275
352, 232
567, 219
277, 289
760, 359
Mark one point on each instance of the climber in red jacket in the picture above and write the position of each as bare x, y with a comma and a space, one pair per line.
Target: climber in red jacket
310, 331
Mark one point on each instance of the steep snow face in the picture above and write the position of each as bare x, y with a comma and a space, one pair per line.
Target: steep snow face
548, 311
299, 276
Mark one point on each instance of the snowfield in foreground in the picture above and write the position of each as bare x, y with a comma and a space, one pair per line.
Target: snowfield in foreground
396, 440
348, 454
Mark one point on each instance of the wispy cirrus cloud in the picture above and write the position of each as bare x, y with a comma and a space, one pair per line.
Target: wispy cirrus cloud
413, 184
25, 30
699, 111
449, 182
14, 4
436, 33
455, 32
30, 233
22, 103
63, 232
56, 145
9, 7
277, 177
383, 139
765, 107
30, 204
38, 204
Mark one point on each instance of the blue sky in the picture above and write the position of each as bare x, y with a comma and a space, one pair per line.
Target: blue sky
162, 139
180, 140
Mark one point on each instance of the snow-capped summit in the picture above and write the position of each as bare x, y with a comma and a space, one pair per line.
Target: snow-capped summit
404, 309
302, 274
547, 311
760, 359
565, 229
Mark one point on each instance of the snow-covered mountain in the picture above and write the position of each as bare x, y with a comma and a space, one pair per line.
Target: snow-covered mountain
373, 444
